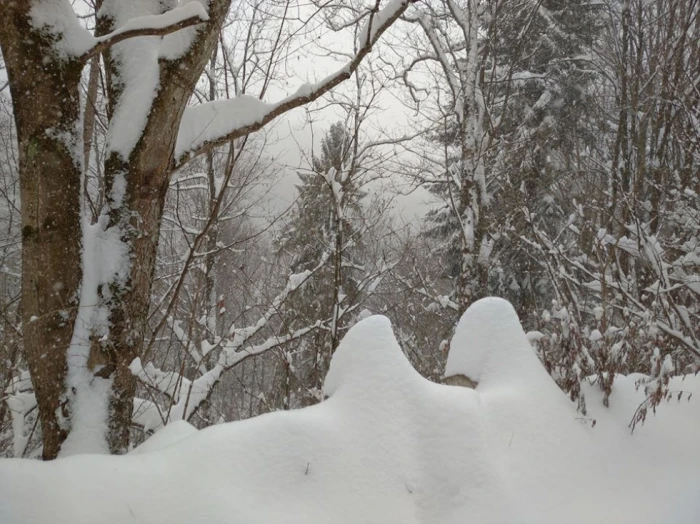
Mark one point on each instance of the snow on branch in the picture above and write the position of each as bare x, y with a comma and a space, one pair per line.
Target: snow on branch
191, 393
442, 300
187, 395
73, 41
687, 342
441, 55
165, 382
190, 14
377, 19
212, 124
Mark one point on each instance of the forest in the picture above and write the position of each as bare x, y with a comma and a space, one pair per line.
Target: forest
200, 198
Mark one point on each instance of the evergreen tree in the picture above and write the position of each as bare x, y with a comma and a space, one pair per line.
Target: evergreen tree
531, 102
325, 225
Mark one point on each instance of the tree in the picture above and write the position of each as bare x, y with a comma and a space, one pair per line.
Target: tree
512, 72
325, 224
334, 225
153, 55
622, 265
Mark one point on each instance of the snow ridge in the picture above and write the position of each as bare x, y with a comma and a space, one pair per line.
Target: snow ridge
389, 446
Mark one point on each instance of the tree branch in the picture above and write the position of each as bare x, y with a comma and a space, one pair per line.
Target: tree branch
227, 120
157, 25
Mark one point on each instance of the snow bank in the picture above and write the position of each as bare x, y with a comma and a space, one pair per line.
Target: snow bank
388, 446
490, 347
166, 437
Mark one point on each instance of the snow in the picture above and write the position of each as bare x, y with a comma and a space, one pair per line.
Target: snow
73, 40
205, 122
59, 20
211, 121
138, 59
139, 76
166, 437
376, 20
489, 344
389, 446
19, 404
104, 260
176, 44
162, 21
296, 280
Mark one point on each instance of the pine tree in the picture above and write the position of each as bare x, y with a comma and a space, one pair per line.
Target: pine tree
324, 224
507, 143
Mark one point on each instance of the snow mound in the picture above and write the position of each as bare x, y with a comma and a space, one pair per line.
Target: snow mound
490, 345
388, 446
166, 437
369, 361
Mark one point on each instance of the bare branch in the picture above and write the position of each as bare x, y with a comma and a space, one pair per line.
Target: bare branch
227, 120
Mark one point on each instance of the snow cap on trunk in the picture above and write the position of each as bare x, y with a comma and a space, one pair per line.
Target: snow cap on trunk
368, 360
489, 343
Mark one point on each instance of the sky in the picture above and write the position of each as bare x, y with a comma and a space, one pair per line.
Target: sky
317, 54
293, 138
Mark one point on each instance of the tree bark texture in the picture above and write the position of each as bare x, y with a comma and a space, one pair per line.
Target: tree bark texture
147, 172
44, 90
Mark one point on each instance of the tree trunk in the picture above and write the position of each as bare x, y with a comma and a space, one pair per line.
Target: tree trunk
147, 173
44, 91
210, 296
473, 276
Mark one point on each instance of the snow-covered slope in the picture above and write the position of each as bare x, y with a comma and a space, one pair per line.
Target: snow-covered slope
388, 446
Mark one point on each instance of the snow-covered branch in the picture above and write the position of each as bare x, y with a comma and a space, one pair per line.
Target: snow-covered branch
73, 41
444, 301
187, 395
212, 124
187, 15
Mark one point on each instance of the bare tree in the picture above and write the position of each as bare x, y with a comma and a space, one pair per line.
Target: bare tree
10, 326
153, 57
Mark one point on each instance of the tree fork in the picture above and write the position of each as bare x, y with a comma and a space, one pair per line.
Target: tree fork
147, 173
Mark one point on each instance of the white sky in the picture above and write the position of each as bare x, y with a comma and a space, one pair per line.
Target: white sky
291, 137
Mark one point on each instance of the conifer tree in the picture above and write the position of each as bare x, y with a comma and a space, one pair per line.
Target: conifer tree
326, 223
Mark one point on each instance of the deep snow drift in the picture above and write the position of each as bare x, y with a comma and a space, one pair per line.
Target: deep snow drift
391, 447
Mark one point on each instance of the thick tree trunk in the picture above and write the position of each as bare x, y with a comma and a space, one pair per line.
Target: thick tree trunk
147, 173
44, 90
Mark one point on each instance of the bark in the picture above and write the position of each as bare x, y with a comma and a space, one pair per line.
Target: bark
473, 276
44, 91
212, 305
147, 172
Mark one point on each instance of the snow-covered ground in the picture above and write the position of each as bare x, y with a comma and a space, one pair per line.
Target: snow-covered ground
388, 446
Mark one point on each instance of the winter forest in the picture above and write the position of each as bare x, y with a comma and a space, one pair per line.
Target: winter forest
247, 247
